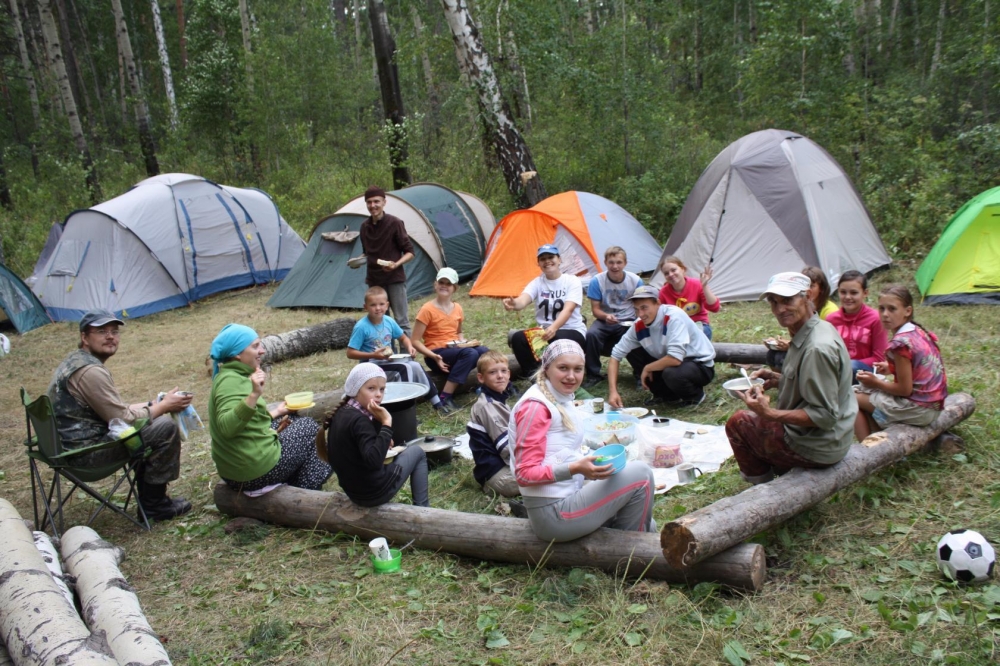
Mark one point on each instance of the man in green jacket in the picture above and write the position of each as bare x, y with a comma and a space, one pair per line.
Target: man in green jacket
813, 423
85, 400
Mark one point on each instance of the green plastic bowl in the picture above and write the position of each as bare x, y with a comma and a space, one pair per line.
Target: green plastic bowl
387, 566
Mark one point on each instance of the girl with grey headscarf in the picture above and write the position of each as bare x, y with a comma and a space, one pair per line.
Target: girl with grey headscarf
566, 493
359, 438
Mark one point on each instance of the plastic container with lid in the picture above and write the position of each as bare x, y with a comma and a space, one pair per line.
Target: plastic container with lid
609, 428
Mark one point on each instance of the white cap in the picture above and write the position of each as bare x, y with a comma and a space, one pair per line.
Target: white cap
787, 284
449, 274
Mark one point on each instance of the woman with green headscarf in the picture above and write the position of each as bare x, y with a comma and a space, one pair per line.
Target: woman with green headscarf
249, 452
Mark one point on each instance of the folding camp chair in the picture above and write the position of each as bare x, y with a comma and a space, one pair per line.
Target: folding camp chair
45, 447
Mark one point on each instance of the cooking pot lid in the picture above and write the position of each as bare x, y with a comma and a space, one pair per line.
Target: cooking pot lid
430, 444
400, 391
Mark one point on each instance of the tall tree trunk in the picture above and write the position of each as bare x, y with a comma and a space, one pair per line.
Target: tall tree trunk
87, 53
938, 39
168, 77
29, 78
180, 32
392, 96
72, 66
511, 150
247, 50
917, 46
891, 37
357, 33
5, 199
50, 34
625, 93
146, 143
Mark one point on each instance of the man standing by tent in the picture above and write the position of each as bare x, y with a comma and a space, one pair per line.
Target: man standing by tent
813, 424
387, 248
85, 400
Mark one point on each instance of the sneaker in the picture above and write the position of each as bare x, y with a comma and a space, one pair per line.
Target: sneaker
695, 403
652, 400
517, 509
592, 381
446, 407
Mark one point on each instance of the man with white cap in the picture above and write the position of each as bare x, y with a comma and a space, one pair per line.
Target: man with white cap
85, 399
813, 423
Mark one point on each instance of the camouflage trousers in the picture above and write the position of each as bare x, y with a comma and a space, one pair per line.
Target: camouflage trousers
163, 464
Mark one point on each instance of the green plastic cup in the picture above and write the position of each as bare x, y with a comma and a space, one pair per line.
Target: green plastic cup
390, 565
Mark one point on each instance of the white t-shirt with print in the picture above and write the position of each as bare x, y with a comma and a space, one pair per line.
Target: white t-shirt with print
551, 296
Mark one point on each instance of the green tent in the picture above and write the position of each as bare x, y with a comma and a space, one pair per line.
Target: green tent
447, 228
963, 267
19, 303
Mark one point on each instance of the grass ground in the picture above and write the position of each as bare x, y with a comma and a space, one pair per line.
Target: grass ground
851, 581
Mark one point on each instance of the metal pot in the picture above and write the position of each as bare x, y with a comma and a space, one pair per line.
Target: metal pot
438, 449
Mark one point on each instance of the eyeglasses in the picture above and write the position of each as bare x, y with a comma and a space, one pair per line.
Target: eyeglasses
106, 332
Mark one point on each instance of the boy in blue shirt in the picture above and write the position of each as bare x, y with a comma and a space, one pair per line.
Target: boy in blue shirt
609, 294
371, 340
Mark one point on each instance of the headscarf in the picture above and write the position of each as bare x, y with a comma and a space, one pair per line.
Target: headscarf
557, 349
231, 340
359, 376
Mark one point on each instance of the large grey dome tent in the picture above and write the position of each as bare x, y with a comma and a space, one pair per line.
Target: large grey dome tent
168, 241
773, 201
447, 228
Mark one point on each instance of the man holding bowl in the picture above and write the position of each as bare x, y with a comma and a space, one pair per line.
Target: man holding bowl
813, 423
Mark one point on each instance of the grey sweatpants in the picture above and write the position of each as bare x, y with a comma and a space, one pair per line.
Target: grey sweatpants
398, 304
623, 501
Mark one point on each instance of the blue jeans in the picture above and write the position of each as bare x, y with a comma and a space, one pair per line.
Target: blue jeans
858, 365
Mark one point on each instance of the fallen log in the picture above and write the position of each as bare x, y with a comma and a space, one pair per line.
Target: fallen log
37, 624
333, 334
632, 554
719, 526
51, 558
725, 352
107, 600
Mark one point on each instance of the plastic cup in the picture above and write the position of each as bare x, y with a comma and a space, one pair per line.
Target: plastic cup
380, 548
391, 565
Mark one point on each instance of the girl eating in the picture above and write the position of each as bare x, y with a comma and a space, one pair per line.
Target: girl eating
858, 324
359, 440
567, 495
917, 395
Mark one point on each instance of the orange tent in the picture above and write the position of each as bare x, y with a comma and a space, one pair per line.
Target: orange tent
582, 225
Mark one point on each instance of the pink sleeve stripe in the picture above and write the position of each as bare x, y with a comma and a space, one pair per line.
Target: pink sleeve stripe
533, 421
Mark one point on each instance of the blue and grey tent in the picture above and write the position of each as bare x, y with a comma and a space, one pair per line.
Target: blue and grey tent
447, 228
168, 241
22, 307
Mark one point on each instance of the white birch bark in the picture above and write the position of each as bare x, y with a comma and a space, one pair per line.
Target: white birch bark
168, 77
132, 76
29, 76
108, 601
245, 30
51, 558
53, 49
938, 39
37, 624
511, 150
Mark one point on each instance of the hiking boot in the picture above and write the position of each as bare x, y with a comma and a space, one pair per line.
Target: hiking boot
517, 509
156, 504
592, 381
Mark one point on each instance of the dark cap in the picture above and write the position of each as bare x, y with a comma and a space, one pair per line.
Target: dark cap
98, 318
374, 191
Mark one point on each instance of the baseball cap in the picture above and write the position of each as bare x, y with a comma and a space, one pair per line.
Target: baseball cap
98, 318
449, 274
645, 291
787, 284
548, 249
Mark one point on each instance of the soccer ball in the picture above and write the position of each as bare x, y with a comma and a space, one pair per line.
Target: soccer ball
4, 345
965, 556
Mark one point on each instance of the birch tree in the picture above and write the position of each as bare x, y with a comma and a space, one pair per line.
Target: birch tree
29, 78
511, 150
53, 48
392, 97
146, 144
168, 78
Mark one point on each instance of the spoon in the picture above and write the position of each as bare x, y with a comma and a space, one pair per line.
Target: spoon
747, 377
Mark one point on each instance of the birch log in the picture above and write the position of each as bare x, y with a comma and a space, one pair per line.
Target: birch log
631, 554
729, 521
334, 334
108, 602
38, 626
5, 659
51, 558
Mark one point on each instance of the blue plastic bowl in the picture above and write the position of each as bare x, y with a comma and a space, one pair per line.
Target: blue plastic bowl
613, 454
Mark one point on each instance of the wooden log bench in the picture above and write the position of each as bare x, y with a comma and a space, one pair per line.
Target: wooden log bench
495, 538
721, 525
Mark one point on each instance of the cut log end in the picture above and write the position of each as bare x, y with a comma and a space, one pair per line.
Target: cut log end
675, 540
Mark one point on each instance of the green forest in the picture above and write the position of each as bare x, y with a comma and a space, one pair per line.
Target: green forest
629, 99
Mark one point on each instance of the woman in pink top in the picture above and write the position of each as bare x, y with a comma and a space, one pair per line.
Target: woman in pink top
858, 324
689, 294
